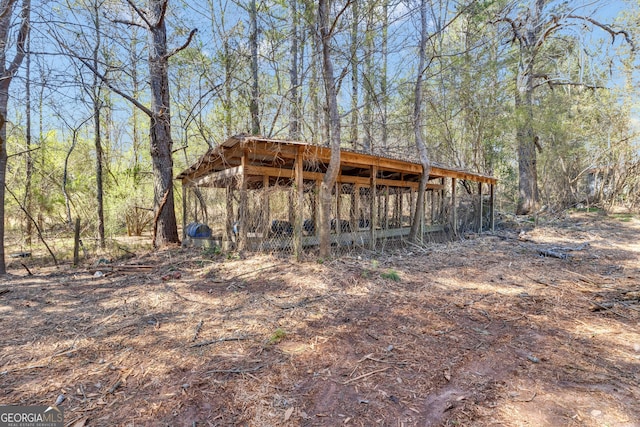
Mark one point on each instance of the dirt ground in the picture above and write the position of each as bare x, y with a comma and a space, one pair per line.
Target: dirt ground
478, 332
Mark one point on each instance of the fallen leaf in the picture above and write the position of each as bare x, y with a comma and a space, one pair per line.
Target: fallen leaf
447, 375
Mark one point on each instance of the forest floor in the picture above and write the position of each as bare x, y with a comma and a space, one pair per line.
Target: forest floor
481, 331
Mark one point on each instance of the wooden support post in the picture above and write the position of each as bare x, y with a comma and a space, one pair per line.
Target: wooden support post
401, 206
432, 196
396, 208
338, 217
441, 218
355, 208
412, 206
385, 222
299, 204
185, 192
243, 208
492, 208
76, 243
454, 207
480, 207
265, 208
229, 237
373, 173
423, 220
316, 203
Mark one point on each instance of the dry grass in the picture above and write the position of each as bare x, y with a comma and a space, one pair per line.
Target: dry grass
481, 331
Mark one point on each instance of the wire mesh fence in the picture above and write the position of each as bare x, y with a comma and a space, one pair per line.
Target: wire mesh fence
271, 214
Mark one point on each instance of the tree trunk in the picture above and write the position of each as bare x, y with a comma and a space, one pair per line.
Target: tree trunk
368, 82
253, 45
4, 97
331, 174
313, 83
160, 128
383, 73
28, 232
97, 104
417, 127
294, 117
527, 157
65, 175
6, 75
354, 75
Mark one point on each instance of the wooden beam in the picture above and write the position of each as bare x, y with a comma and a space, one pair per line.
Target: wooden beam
345, 179
212, 178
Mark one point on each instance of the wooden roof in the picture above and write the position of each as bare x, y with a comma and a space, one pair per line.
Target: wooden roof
275, 158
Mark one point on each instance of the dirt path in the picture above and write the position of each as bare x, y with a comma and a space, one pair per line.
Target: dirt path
483, 331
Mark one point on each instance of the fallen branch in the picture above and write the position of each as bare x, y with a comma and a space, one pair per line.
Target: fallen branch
370, 357
607, 306
33, 221
234, 371
195, 334
527, 400
304, 301
26, 268
552, 254
218, 340
365, 375
570, 249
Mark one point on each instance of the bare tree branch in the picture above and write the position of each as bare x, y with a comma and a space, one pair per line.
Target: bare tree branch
559, 81
514, 27
140, 13
106, 81
184, 46
128, 23
335, 21
608, 29
22, 37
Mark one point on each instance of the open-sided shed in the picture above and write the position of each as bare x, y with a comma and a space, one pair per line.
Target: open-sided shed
262, 194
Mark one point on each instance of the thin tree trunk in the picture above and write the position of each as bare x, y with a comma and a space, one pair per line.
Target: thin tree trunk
313, 84
368, 82
6, 76
331, 174
227, 87
354, 74
294, 117
29, 158
253, 45
65, 176
417, 127
97, 104
383, 73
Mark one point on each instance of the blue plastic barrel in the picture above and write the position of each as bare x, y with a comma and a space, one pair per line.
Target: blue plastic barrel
198, 230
